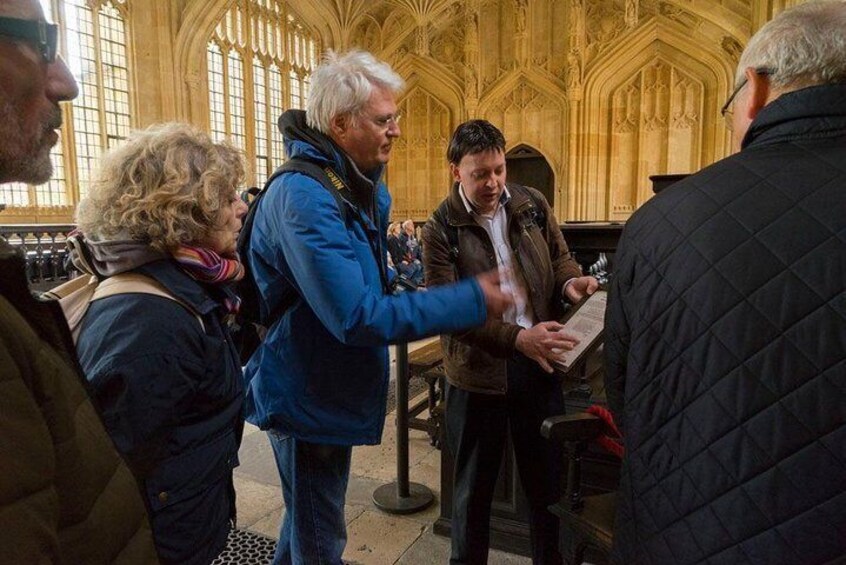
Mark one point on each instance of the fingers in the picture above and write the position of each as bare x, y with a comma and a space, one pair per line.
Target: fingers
580, 287
592, 285
544, 364
495, 300
551, 326
557, 344
491, 277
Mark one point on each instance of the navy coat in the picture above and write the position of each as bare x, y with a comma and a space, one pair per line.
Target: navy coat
171, 395
726, 351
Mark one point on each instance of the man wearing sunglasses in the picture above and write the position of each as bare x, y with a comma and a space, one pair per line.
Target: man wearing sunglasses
726, 324
65, 494
34, 81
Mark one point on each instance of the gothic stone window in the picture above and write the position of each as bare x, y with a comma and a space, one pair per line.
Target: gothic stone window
259, 62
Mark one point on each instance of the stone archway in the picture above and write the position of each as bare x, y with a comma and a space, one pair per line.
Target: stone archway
526, 166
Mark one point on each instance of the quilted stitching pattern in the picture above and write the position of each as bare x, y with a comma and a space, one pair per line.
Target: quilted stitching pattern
726, 344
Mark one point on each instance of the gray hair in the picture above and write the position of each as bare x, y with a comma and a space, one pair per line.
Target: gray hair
804, 46
342, 84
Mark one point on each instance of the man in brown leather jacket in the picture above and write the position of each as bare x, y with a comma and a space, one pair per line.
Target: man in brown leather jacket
499, 375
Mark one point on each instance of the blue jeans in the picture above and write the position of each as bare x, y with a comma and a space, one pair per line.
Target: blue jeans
314, 484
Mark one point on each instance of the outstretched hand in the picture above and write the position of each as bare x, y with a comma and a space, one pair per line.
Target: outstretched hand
496, 301
543, 342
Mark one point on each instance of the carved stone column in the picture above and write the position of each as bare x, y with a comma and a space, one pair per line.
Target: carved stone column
422, 40
632, 13
471, 59
521, 37
578, 36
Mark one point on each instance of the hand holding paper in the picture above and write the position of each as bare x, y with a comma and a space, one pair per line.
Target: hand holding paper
586, 323
544, 342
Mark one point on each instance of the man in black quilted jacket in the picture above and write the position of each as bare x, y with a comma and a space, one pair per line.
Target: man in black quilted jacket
726, 327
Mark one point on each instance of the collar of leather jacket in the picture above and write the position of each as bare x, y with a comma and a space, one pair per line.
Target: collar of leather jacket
459, 216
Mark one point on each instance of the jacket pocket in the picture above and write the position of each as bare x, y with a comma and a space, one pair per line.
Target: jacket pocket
190, 473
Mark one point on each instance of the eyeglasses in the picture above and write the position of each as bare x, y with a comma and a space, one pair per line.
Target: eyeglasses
39, 32
725, 111
385, 121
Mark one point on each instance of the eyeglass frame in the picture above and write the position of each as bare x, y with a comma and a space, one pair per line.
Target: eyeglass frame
44, 35
765, 71
384, 122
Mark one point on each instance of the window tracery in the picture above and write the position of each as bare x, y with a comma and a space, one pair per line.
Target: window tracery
260, 59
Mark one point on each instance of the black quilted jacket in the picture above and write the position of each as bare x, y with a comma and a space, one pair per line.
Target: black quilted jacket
726, 351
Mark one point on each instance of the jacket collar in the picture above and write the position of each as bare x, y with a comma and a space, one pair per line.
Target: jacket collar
813, 112
459, 215
182, 286
303, 141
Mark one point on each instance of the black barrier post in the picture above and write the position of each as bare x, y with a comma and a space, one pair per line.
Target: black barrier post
402, 496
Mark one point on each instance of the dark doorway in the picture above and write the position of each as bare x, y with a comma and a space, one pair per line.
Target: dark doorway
528, 167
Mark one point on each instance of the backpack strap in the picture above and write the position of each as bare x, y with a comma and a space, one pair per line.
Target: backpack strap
136, 283
76, 295
535, 212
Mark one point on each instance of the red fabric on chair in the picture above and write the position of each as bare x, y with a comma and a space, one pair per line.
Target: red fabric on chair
608, 442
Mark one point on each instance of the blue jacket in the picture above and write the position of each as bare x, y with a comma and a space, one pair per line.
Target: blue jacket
321, 375
171, 396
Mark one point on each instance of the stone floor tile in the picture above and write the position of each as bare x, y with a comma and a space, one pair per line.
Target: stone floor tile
269, 524
380, 461
430, 549
255, 500
250, 429
375, 538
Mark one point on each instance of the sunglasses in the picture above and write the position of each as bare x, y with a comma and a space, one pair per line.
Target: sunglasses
38, 32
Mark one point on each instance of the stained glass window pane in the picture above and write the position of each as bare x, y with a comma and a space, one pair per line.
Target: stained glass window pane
276, 108
263, 164
86, 107
115, 74
14, 194
216, 93
237, 114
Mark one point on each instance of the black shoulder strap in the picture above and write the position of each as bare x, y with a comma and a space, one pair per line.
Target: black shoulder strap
536, 211
540, 209
323, 174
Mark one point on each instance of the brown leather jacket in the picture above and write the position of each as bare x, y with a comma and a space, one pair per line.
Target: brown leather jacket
475, 360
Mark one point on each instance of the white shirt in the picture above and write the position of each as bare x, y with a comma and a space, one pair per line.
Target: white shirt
511, 279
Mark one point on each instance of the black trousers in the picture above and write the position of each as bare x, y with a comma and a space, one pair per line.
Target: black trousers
477, 426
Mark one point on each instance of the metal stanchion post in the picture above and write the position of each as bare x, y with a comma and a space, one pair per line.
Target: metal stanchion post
402, 496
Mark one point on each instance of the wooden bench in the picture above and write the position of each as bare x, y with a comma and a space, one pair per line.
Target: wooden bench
427, 363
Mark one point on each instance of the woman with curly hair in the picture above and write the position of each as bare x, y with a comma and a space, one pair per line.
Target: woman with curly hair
162, 368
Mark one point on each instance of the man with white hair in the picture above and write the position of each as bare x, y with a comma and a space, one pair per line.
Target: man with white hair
726, 325
319, 381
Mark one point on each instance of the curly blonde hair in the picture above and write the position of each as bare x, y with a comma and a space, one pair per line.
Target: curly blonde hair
165, 185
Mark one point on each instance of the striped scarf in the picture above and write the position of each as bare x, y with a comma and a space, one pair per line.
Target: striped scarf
204, 265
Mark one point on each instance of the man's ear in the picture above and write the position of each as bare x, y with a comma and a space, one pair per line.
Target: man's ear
759, 91
453, 170
339, 125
